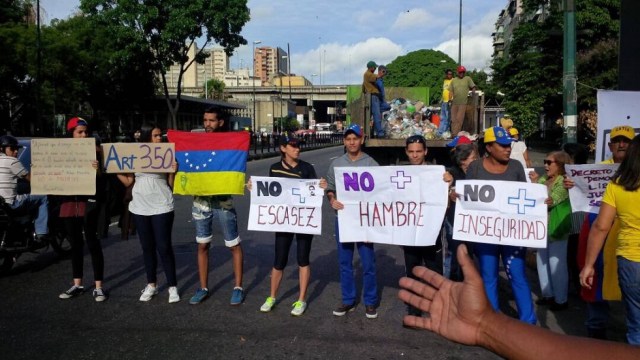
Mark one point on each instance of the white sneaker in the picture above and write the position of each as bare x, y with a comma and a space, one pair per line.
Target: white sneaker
174, 297
148, 292
268, 304
298, 308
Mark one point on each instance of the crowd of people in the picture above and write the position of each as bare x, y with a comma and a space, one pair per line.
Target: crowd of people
152, 208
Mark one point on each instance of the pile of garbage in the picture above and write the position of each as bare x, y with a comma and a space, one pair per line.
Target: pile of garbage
407, 118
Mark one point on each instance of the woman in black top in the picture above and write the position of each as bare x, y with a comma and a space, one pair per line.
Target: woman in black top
290, 166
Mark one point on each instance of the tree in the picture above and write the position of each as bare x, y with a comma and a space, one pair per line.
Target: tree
167, 29
215, 89
420, 68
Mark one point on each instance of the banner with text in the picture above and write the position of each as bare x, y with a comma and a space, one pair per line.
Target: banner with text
399, 205
138, 157
63, 166
590, 182
501, 212
286, 205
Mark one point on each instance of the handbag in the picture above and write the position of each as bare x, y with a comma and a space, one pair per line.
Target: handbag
560, 220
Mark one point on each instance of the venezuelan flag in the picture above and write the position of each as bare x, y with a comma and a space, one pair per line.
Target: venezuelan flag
210, 163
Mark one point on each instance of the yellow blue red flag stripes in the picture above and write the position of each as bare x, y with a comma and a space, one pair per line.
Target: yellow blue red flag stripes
210, 163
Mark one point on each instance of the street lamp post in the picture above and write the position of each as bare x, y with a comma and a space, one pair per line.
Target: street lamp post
311, 112
460, 36
253, 83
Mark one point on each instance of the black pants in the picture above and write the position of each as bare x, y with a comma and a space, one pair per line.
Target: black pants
154, 233
428, 256
74, 227
283, 244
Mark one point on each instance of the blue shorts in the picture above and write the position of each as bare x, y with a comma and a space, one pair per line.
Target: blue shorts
205, 210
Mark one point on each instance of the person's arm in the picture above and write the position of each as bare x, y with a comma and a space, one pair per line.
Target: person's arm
460, 311
330, 189
126, 179
171, 177
525, 154
595, 242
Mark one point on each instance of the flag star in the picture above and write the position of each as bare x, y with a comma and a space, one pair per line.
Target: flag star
210, 160
186, 160
186, 154
213, 153
197, 167
190, 165
204, 165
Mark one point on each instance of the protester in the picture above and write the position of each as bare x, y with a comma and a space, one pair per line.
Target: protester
519, 149
384, 105
445, 104
152, 209
461, 312
497, 166
552, 264
290, 166
205, 210
369, 87
80, 215
429, 256
463, 153
459, 90
620, 200
354, 157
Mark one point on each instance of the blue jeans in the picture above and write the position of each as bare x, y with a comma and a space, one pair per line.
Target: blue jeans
377, 115
553, 272
226, 217
445, 113
629, 278
29, 202
513, 259
347, 276
154, 232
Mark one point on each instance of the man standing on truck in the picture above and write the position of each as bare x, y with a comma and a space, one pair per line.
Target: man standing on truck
459, 91
445, 106
369, 87
384, 106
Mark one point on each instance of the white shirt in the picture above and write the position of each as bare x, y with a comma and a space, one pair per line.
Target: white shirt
517, 152
151, 195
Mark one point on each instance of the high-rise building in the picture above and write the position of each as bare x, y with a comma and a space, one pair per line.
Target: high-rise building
269, 62
193, 80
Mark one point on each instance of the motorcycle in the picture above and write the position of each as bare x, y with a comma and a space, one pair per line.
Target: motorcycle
17, 235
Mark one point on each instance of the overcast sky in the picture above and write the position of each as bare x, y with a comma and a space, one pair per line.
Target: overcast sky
344, 35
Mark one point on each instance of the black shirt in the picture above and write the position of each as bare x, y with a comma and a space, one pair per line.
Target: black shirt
303, 170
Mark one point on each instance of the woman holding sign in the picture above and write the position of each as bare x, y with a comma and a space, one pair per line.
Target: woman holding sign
553, 272
290, 166
620, 200
152, 209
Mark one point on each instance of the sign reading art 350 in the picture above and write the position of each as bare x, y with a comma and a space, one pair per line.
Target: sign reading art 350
138, 157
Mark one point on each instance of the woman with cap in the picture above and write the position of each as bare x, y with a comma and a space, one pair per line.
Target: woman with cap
497, 165
290, 166
80, 214
152, 209
519, 149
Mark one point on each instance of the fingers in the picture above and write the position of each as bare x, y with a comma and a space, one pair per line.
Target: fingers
431, 277
417, 322
468, 267
416, 300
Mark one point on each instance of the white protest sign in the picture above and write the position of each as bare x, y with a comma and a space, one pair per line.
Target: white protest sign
138, 157
286, 205
590, 182
615, 108
501, 212
399, 205
63, 166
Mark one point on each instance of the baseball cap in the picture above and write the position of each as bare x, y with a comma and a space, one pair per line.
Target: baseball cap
289, 140
459, 140
371, 64
353, 129
513, 131
497, 134
624, 131
75, 122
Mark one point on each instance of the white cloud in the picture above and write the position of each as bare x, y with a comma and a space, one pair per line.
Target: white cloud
416, 18
476, 51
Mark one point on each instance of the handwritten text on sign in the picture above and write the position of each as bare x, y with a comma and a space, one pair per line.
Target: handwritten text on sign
590, 182
401, 205
63, 166
138, 157
286, 205
501, 212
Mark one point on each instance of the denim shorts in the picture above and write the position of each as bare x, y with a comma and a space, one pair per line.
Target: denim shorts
224, 213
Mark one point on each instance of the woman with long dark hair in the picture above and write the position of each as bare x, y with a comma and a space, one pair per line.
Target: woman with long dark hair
152, 210
620, 200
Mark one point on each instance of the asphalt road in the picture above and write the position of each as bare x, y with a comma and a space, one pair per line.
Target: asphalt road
35, 324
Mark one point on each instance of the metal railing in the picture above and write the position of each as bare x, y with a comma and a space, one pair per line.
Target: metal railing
265, 144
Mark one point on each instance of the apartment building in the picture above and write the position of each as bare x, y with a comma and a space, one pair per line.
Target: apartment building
269, 62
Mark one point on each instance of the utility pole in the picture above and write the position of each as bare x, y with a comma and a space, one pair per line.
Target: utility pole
569, 94
460, 36
628, 77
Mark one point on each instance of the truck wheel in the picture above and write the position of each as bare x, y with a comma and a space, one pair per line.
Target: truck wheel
60, 243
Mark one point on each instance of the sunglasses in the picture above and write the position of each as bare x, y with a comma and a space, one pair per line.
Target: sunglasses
416, 139
548, 162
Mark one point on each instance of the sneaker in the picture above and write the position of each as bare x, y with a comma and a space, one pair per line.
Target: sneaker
75, 290
174, 297
298, 308
148, 292
370, 312
199, 296
237, 296
99, 295
343, 309
268, 304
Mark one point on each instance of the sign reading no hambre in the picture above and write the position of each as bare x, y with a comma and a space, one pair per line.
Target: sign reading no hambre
138, 157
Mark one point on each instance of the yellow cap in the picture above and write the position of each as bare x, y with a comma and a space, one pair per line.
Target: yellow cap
513, 131
624, 131
497, 134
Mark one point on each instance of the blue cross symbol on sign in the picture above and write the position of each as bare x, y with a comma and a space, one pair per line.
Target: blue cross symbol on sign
296, 191
400, 180
522, 202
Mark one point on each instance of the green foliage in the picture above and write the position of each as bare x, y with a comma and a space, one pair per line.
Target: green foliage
14, 11
289, 124
420, 68
166, 29
215, 89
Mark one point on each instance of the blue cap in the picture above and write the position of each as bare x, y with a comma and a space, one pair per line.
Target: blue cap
353, 129
497, 134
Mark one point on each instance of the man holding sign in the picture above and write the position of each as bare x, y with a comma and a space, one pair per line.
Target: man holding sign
354, 157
